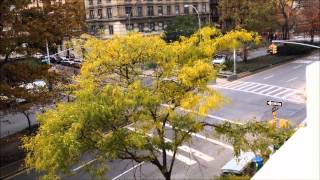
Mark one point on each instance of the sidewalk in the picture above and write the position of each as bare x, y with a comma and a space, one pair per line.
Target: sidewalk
262, 51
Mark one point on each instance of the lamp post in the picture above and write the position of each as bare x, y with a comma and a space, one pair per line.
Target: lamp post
47, 46
199, 20
129, 27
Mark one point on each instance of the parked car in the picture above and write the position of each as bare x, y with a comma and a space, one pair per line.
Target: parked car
219, 59
67, 63
242, 165
76, 64
55, 59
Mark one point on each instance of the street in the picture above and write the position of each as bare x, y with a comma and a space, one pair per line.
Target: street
204, 157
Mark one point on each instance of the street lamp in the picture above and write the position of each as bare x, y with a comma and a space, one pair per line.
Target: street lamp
129, 27
47, 46
188, 5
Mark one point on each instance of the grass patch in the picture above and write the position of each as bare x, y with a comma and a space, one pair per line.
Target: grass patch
262, 62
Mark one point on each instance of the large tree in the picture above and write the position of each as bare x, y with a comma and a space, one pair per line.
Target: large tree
286, 12
309, 19
180, 26
26, 29
122, 113
254, 15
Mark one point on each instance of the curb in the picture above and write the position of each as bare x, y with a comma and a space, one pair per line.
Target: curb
17, 165
266, 67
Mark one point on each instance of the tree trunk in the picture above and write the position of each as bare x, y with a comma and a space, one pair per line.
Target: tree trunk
6, 58
28, 118
311, 36
245, 53
167, 175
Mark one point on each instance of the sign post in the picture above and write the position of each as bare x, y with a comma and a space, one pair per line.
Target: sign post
275, 107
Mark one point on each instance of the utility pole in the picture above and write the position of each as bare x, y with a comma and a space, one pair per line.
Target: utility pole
48, 55
195, 9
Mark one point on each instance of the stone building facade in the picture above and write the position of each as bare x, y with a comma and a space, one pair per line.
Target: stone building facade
118, 17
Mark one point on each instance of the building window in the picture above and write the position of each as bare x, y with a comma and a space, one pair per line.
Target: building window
110, 29
140, 13
129, 27
91, 14
177, 8
160, 10
204, 7
109, 12
90, 2
186, 10
152, 26
100, 13
161, 25
128, 11
168, 10
101, 29
99, 2
141, 27
93, 29
150, 10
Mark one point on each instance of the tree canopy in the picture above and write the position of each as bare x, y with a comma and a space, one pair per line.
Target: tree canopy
120, 112
180, 26
257, 15
25, 29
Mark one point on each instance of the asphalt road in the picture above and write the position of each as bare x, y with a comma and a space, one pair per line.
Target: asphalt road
248, 97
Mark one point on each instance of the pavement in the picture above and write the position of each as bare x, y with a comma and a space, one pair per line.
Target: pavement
204, 157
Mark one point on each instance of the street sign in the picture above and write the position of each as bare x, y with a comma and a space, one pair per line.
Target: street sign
274, 103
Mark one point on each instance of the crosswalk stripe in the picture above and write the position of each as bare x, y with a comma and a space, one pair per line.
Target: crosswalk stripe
282, 92
180, 157
267, 89
273, 91
240, 85
246, 86
259, 88
207, 139
289, 94
252, 87
263, 89
193, 151
231, 84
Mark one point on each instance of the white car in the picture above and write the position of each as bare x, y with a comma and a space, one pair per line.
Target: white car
237, 165
219, 59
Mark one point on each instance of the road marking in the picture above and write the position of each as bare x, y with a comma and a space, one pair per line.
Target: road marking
281, 92
207, 115
292, 79
207, 139
117, 177
296, 67
180, 157
261, 89
289, 94
193, 151
266, 90
275, 90
231, 84
247, 86
83, 165
241, 85
252, 87
268, 77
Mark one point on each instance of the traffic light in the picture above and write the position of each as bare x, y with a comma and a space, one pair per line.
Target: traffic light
274, 49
